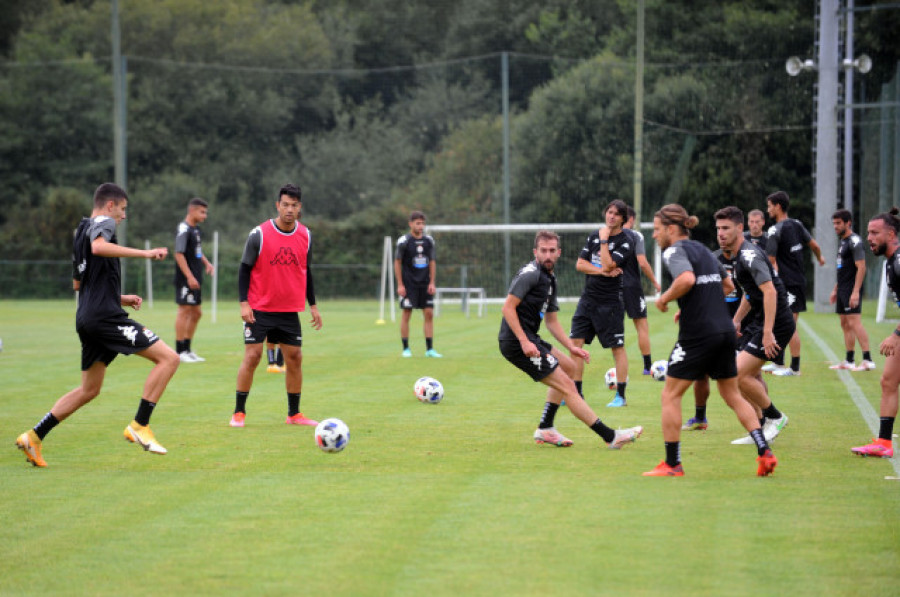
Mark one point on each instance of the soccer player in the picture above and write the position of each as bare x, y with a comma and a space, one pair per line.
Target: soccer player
104, 328
851, 271
190, 264
784, 245
882, 235
764, 317
706, 339
275, 284
601, 310
415, 269
633, 292
531, 299
756, 223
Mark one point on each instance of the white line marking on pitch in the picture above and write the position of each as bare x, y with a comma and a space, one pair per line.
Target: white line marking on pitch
856, 393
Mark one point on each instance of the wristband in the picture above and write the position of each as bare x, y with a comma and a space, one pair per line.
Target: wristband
604, 242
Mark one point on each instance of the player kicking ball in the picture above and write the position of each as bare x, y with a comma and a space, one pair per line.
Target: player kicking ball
706, 337
532, 299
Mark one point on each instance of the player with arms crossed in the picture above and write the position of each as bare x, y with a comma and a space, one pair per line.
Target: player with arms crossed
764, 318
601, 308
104, 328
190, 264
706, 338
851, 271
756, 224
531, 299
415, 269
784, 245
274, 285
882, 235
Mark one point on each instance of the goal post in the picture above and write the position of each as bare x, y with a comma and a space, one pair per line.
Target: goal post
476, 262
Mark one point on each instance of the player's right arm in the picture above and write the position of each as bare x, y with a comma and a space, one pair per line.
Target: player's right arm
183, 266
102, 248
248, 261
551, 322
398, 265
512, 320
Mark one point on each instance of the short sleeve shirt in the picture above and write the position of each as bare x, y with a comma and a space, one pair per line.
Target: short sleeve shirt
751, 269
415, 255
728, 264
850, 250
785, 242
631, 270
756, 240
100, 294
187, 242
703, 310
606, 289
892, 273
535, 287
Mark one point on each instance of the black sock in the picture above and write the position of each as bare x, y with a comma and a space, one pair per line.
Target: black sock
270, 354
548, 415
240, 401
760, 440
762, 421
45, 425
187, 345
279, 356
603, 431
770, 412
673, 453
405, 343
647, 361
429, 343
795, 363
779, 360
620, 389
145, 409
179, 346
886, 428
851, 355
293, 403
700, 412
578, 387
867, 356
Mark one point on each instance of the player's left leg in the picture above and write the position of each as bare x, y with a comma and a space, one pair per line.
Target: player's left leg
882, 445
701, 396
620, 357
642, 329
293, 384
428, 329
671, 396
728, 388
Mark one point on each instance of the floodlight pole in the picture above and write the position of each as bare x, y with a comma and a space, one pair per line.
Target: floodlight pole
119, 141
507, 249
826, 151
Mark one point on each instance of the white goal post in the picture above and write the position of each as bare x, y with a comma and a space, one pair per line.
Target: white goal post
475, 263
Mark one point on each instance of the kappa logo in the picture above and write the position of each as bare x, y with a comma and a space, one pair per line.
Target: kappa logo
791, 298
643, 304
184, 291
667, 254
536, 361
678, 354
129, 332
748, 255
285, 256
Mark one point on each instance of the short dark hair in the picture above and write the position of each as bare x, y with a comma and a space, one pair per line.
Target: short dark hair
631, 213
621, 207
197, 201
730, 213
109, 191
416, 215
842, 215
781, 199
545, 235
291, 190
890, 219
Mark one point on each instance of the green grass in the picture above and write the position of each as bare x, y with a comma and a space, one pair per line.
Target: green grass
452, 499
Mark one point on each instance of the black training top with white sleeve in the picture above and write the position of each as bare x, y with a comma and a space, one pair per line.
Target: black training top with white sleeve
100, 294
535, 287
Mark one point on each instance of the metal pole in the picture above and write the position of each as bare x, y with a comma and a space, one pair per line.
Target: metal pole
639, 115
507, 250
149, 275
118, 68
826, 150
848, 114
215, 276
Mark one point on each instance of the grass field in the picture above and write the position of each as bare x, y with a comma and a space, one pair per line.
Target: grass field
452, 499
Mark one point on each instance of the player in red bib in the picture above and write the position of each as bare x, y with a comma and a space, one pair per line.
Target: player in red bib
274, 285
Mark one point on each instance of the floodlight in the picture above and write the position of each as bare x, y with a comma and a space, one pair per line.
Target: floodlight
863, 63
793, 66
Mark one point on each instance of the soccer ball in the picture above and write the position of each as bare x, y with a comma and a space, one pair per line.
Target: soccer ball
332, 435
659, 369
428, 390
611, 380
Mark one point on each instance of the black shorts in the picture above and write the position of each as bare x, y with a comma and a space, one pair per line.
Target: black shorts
842, 304
184, 295
278, 328
103, 340
733, 306
783, 330
635, 303
796, 298
417, 297
606, 322
536, 367
712, 355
